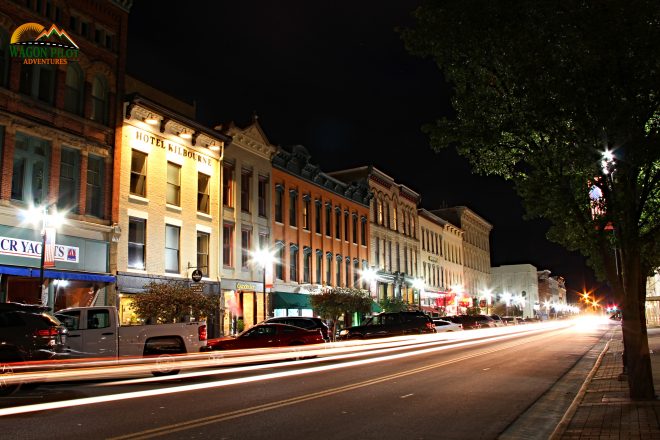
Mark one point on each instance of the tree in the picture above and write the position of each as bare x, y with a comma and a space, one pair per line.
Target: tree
172, 301
544, 91
333, 303
389, 304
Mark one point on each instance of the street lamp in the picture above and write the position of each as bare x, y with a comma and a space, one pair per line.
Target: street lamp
48, 221
506, 297
488, 294
418, 284
265, 259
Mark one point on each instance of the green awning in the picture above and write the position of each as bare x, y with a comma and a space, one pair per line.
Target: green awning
287, 300
375, 307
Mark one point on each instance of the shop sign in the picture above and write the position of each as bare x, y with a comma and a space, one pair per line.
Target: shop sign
197, 287
246, 286
32, 249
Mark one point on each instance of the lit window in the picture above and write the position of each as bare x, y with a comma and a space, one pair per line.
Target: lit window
246, 245
139, 173
137, 234
227, 185
172, 244
203, 191
227, 244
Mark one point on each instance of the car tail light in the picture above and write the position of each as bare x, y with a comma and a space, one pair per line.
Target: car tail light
430, 325
201, 331
46, 332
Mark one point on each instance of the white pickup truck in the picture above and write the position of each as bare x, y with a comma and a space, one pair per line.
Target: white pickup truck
95, 332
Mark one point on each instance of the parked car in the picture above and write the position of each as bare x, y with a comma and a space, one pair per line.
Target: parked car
442, 326
512, 320
390, 324
267, 335
27, 333
305, 322
468, 322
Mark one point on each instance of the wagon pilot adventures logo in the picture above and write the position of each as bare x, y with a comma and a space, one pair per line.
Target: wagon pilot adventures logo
34, 44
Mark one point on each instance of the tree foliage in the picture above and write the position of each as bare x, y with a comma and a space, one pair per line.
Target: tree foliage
333, 303
541, 90
172, 301
391, 304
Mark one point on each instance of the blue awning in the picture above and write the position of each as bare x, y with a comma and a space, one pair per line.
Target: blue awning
57, 274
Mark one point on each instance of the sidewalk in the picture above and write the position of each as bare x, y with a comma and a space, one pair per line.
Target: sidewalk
603, 409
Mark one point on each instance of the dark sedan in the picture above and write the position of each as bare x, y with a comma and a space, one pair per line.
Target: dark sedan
267, 335
390, 324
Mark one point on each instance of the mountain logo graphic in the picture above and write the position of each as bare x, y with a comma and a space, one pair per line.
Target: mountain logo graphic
35, 44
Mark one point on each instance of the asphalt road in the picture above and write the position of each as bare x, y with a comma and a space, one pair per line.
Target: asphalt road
438, 389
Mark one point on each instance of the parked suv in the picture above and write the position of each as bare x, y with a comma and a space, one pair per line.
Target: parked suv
27, 333
306, 322
390, 324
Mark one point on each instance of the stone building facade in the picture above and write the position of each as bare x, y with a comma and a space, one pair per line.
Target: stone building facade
476, 248
394, 233
518, 282
246, 223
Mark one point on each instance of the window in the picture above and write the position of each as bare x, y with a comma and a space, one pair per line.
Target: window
38, 81
305, 212
67, 199
263, 240
246, 245
377, 252
398, 258
293, 264
386, 211
137, 238
279, 208
380, 212
279, 262
355, 229
262, 190
99, 100
356, 273
227, 185
328, 219
363, 232
319, 266
138, 173
337, 222
29, 181
73, 92
227, 244
307, 264
94, 204
395, 222
338, 278
172, 236
203, 193
293, 207
317, 216
246, 177
328, 269
348, 271
346, 222
173, 196
203, 240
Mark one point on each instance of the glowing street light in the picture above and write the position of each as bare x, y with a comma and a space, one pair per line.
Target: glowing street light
506, 297
265, 259
488, 295
419, 285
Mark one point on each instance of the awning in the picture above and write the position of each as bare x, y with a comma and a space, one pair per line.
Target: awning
56, 274
287, 300
375, 307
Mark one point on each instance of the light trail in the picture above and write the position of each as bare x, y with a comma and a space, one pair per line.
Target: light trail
227, 382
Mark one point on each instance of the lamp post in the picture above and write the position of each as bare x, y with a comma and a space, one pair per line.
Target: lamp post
264, 258
48, 222
418, 284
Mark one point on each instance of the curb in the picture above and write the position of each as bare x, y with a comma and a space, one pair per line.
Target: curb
570, 412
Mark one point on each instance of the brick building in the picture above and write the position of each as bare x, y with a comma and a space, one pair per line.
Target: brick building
320, 232
61, 71
167, 198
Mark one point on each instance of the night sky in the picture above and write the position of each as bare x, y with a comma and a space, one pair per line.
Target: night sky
333, 76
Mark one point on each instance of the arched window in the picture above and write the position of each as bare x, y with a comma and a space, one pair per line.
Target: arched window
38, 81
73, 93
99, 100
